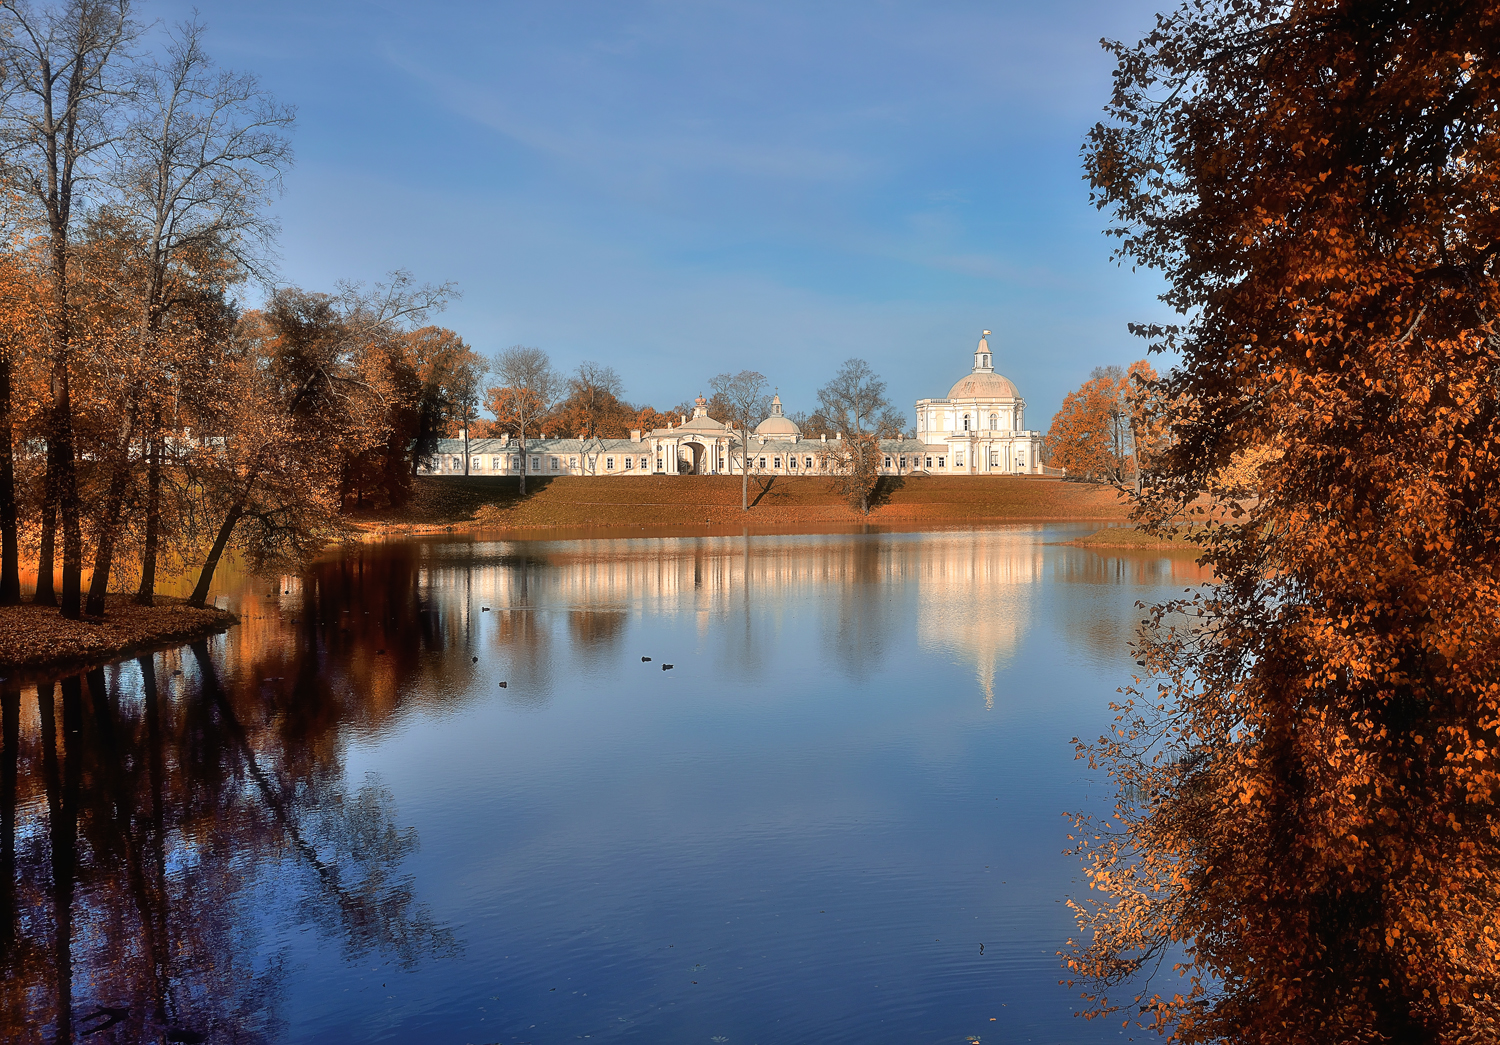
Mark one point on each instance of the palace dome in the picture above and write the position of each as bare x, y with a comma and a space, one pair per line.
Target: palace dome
778, 425
984, 386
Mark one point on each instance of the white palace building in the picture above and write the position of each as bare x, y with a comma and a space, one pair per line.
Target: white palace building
978, 429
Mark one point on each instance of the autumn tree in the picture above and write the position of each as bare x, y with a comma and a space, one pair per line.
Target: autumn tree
648, 419
814, 425
528, 386
23, 344
446, 370
301, 396
742, 398
197, 162
855, 403
64, 82
593, 400
1307, 821
1090, 434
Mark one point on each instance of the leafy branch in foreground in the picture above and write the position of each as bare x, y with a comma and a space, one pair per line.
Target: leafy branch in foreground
1307, 828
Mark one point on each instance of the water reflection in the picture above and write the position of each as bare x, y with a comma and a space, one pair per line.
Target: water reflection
170, 825
149, 814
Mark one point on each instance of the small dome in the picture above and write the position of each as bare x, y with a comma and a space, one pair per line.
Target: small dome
777, 425
983, 386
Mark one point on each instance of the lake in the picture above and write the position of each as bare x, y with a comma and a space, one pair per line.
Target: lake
435, 791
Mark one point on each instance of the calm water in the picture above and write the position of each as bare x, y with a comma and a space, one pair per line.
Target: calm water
431, 791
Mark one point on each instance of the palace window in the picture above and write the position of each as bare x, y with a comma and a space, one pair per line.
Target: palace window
458, 464
629, 463
986, 359
994, 422
775, 462
940, 462
809, 462
609, 464
887, 462
553, 463
994, 458
791, 462
572, 462
966, 422
929, 462
658, 464
594, 463
903, 462
645, 463
536, 464
958, 460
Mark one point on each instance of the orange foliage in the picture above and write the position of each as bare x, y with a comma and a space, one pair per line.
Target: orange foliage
1309, 811
1094, 435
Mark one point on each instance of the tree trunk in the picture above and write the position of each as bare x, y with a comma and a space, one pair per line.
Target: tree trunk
10, 555
62, 471
206, 577
466, 447
46, 566
109, 526
145, 595
109, 519
745, 469
523, 458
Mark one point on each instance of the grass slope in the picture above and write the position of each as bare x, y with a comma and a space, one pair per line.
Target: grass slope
672, 500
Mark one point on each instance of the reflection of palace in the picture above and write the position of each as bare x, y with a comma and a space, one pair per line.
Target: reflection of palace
972, 589
974, 599
977, 430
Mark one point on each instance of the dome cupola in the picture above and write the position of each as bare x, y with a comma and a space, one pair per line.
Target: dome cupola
982, 355
982, 382
777, 425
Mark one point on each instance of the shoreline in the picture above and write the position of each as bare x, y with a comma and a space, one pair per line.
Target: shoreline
36, 641
1124, 537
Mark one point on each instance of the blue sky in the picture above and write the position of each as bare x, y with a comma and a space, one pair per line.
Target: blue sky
679, 189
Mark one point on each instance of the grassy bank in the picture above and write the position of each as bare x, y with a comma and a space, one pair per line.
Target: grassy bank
37, 637
1130, 537
668, 500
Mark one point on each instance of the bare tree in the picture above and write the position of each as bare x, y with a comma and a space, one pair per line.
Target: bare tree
196, 168
62, 91
528, 388
854, 400
593, 388
891, 425
743, 396
855, 403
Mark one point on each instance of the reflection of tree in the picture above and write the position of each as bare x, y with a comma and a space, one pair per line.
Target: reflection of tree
376, 909
142, 828
595, 630
1106, 634
866, 617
